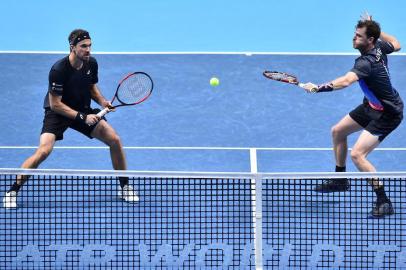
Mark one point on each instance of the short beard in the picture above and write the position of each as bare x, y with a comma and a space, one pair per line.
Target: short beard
83, 58
362, 49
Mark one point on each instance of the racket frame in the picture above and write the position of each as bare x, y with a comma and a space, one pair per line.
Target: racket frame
108, 109
295, 81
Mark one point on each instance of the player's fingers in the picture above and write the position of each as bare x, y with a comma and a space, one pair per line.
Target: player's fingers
94, 119
310, 87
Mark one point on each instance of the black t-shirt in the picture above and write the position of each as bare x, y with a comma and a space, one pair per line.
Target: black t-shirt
374, 79
73, 85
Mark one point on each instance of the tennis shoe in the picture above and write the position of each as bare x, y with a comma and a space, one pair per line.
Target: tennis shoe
333, 185
10, 200
382, 209
128, 194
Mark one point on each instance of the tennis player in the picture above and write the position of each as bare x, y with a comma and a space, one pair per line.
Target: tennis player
379, 114
72, 86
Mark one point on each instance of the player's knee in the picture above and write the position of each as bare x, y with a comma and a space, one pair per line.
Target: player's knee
357, 156
335, 131
114, 140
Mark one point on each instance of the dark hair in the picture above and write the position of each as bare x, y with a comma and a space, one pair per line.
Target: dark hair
78, 35
372, 29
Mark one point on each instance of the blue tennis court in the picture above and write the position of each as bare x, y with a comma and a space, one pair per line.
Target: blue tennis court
187, 125
244, 111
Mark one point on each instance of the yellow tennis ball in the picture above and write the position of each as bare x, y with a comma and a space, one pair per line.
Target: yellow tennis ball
214, 81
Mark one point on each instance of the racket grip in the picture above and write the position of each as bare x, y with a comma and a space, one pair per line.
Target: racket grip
103, 112
313, 90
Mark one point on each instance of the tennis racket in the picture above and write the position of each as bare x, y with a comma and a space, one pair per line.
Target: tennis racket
132, 90
283, 77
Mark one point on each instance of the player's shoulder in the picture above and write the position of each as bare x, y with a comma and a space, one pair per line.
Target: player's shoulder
383, 44
367, 58
93, 62
61, 65
364, 58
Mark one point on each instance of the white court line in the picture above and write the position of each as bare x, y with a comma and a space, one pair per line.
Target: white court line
205, 148
197, 53
256, 199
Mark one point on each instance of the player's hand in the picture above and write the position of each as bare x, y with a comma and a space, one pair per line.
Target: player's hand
310, 87
366, 16
107, 104
92, 119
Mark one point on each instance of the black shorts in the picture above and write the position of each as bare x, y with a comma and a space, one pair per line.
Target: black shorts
378, 123
57, 124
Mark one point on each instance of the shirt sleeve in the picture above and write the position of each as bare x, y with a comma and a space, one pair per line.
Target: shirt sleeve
95, 71
56, 82
385, 46
362, 68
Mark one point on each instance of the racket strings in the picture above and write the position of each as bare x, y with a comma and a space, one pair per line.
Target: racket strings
134, 89
280, 76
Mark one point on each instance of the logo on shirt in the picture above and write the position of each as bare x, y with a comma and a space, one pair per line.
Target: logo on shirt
88, 72
57, 87
378, 55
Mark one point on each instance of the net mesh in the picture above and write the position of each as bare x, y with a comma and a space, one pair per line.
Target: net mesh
135, 88
199, 222
75, 222
304, 229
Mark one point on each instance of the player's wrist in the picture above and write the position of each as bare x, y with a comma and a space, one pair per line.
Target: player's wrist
326, 87
80, 117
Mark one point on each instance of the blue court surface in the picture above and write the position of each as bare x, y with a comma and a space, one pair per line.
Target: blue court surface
244, 111
187, 125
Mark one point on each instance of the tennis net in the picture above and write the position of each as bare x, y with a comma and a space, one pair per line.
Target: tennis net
75, 220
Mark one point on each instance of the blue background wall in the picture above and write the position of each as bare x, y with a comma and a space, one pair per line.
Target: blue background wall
194, 25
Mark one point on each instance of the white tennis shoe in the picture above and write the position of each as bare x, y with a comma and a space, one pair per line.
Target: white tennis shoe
10, 200
128, 194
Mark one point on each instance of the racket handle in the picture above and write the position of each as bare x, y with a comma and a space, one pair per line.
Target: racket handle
103, 112
314, 90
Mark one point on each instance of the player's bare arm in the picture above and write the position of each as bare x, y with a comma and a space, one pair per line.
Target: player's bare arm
344, 81
98, 97
336, 84
61, 108
392, 40
384, 36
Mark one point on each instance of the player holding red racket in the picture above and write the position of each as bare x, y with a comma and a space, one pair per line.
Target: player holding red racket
72, 85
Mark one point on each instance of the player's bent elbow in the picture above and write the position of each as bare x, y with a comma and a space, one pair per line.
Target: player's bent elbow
398, 48
346, 83
396, 45
53, 106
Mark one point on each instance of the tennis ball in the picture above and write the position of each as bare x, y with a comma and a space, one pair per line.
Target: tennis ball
214, 81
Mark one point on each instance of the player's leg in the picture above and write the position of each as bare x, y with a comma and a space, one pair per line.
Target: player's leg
105, 133
364, 145
340, 132
381, 125
46, 144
